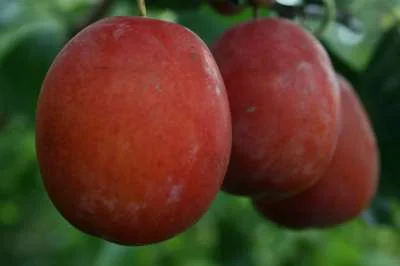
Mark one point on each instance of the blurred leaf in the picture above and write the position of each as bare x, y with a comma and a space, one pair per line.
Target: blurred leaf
377, 258
9, 10
341, 65
17, 154
209, 25
338, 252
9, 213
380, 90
111, 254
23, 68
16, 34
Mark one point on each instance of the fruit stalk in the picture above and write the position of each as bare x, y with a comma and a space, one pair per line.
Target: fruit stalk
330, 16
142, 7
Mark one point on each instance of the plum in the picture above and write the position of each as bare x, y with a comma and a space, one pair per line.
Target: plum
348, 185
285, 107
133, 130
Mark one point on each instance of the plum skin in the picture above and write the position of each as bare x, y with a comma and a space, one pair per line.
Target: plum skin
350, 182
133, 130
285, 103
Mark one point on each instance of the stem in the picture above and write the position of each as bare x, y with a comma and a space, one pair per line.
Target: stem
142, 7
330, 16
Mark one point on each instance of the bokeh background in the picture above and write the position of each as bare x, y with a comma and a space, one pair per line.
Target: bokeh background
364, 48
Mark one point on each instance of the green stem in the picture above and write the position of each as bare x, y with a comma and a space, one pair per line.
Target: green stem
142, 7
330, 16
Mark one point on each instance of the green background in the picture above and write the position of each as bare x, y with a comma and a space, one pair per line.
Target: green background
32, 232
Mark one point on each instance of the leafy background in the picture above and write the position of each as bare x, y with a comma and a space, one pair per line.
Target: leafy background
231, 233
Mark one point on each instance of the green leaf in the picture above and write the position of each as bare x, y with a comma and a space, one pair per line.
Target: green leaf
23, 67
16, 34
380, 89
208, 24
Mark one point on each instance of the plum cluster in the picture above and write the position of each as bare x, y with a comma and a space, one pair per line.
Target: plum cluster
139, 125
